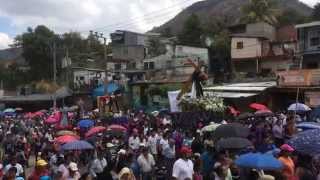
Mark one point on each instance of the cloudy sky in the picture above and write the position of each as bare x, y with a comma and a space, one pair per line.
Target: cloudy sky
83, 15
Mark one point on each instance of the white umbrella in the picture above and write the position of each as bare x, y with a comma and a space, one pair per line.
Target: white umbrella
299, 107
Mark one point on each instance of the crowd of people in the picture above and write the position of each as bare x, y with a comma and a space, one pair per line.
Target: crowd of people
151, 148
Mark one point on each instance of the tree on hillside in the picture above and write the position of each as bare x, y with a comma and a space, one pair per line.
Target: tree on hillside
37, 48
166, 32
191, 32
156, 48
291, 17
316, 12
259, 11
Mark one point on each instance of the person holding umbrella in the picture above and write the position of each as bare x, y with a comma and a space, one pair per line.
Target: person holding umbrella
288, 170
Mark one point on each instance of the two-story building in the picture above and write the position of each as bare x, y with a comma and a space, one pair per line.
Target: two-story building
261, 48
304, 81
309, 44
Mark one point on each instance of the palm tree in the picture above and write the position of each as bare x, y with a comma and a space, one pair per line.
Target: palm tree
260, 11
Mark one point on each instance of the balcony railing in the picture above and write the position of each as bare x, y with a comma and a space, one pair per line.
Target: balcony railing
303, 77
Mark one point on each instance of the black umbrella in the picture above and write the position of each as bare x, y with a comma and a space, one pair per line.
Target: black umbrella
231, 130
244, 116
233, 143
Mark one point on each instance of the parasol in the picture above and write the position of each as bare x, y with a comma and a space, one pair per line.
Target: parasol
95, 130
258, 161
66, 139
77, 145
257, 106
231, 130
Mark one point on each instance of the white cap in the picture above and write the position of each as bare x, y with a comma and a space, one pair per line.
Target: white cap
122, 151
73, 166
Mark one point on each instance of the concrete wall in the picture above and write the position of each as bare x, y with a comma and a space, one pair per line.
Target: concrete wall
251, 48
275, 65
261, 30
128, 52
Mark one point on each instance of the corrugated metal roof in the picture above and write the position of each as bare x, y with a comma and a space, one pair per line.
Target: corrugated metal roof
243, 87
315, 23
59, 94
230, 94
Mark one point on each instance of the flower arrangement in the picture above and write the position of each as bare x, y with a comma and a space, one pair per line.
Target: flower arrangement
205, 103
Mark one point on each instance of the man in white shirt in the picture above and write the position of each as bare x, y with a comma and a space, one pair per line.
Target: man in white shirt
98, 165
152, 143
146, 163
164, 142
134, 141
277, 131
183, 167
13, 163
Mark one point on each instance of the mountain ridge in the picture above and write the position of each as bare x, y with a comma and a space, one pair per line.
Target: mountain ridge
211, 10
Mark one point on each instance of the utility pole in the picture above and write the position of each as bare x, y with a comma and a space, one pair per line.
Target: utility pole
68, 65
54, 72
54, 62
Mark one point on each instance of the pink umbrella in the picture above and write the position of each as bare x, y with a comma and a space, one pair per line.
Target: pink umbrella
95, 130
116, 127
66, 139
29, 115
38, 113
51, 120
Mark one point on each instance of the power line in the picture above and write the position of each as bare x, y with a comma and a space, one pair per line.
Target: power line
140, 17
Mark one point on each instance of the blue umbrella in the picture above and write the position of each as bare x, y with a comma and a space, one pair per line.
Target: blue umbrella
112, 87
99, 91
85, 123
299, 107
9, 110
308, 125
77, 145
258, 161
307, 142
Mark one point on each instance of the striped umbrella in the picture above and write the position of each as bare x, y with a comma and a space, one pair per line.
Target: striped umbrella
77, 145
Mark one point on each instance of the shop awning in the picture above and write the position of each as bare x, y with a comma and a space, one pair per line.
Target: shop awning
230, 94
239, 90
242, 87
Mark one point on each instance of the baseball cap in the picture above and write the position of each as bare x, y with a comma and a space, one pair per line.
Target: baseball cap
41, 162
185, 150
286, 147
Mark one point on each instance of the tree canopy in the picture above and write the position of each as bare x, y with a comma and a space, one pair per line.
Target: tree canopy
260, 11
316, 12
191, 32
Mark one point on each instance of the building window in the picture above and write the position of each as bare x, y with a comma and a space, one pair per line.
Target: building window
315, 41
148, 65
239, 45
117, 66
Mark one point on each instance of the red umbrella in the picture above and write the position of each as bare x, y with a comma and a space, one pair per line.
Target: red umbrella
66, 139
116, 127
258, 106
51, 120
233, 111
95, 130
